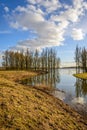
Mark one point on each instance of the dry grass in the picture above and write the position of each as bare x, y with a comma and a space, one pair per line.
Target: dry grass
81, 75
16, 75
29, 108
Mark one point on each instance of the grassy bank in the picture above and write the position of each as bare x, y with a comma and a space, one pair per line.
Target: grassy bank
30, 108
81, 75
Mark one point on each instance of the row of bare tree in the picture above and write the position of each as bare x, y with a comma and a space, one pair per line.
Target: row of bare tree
81, 59
28, 60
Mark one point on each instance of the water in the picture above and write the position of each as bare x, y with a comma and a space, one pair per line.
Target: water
69, 89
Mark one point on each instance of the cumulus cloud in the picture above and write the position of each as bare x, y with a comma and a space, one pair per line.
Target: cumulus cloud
77, 34
72, 13
6, 9
49, 5
49, 19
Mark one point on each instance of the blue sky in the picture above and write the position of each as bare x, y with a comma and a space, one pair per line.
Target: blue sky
36, 24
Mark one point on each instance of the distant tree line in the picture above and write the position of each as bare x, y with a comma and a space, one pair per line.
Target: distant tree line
81, 59
46, 60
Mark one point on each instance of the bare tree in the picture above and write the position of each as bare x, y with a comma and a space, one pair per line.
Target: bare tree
5, 59
78, 58
81, 59
84, 59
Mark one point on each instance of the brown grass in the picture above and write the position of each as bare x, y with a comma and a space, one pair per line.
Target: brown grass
29, 108
81, 75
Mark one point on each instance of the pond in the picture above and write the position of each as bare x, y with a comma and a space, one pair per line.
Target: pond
69, 89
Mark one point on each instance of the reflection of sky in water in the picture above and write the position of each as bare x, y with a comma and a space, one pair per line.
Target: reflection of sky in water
72, 91
64, 81
72, 88
79, 100
66, 84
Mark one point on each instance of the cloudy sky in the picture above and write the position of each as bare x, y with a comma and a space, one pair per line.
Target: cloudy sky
44, 23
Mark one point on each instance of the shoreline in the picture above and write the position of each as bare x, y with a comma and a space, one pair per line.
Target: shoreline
79, 108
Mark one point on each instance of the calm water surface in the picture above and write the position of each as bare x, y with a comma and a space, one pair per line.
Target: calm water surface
71, 90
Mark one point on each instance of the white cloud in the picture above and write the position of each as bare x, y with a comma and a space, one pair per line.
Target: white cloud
48, 21
32, 1
14, 25
77, 34
20, 9
72, 13
6, 9
49, 5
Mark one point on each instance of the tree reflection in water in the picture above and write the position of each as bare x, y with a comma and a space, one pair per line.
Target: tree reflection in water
50, 79
81, 87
